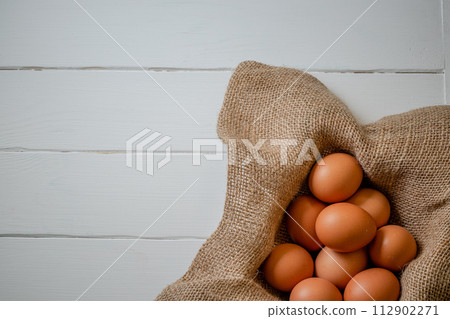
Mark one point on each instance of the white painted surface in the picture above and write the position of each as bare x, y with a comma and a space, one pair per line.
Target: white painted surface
373, 96
100, 110
91, 194
62, 269
399, 34
56, 126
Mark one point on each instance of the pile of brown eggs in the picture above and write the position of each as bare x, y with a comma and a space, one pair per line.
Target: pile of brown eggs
358, 252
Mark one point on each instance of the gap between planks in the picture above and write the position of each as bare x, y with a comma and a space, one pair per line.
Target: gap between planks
218, 69
103, 152
104, 237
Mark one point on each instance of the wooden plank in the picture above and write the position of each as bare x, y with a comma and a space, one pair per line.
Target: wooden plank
91, 194
100, 110
371, 97
396, 35
61, 269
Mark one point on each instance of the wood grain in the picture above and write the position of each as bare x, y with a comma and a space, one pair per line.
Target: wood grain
394, 35
91, 194
100, 110
71, 97
61, 269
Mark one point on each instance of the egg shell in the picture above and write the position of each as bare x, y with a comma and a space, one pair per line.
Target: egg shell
337, 179
373, 202
392, 248
339, 268
377, 284
287, 265
315, 289
345, 227
301, 221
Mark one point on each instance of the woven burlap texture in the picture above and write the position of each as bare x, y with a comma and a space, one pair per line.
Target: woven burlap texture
405, 156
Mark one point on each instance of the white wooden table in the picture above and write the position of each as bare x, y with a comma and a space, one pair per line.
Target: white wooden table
71, 97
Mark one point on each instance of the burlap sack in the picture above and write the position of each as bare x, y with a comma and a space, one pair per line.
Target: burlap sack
405, 156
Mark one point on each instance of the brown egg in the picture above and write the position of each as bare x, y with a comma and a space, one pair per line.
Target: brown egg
315, 289
339, 268
374, 283
301, 221
287, 265
336, 180
373, 202
345, 227
392, 248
